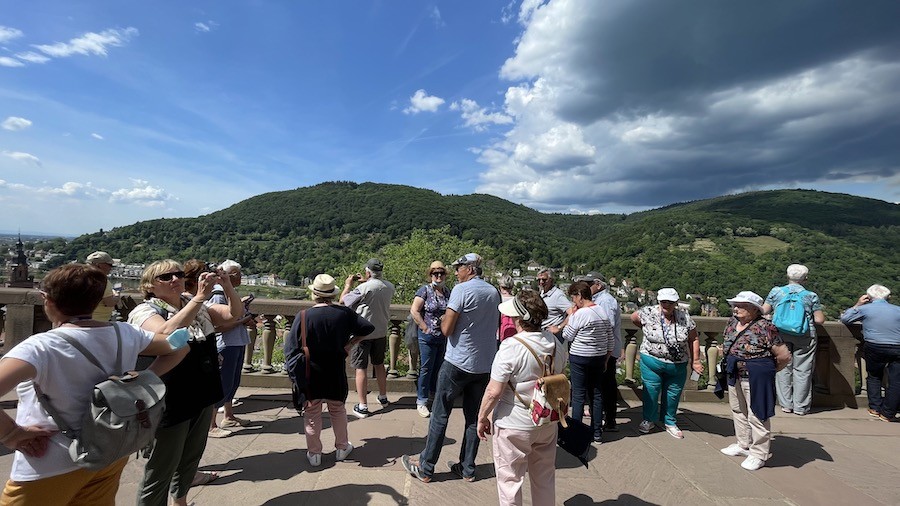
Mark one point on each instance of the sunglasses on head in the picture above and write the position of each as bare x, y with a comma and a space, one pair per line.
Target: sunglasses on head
169, 275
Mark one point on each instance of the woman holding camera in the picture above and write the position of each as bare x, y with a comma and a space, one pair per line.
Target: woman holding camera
670, 343
194, 386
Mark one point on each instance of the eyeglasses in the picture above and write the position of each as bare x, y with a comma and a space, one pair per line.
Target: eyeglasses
543, 280
667, 302
169, 275
439, 273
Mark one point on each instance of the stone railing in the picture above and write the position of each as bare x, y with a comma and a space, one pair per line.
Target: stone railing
837, 358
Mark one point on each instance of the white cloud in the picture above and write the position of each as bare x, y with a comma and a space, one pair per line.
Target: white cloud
81, 191
6, 61
205, 26
23, 157
7, 33
32, 57
89, 43
97, 136
477, 117
420, 101
15, 123
436, 17
142, 193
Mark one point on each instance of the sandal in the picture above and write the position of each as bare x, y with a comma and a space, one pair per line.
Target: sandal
204, 478
233, 422
219, 433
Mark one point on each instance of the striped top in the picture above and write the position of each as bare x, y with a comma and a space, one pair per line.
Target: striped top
590, 332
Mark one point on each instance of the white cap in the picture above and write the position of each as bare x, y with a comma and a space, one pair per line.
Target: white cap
748, 297
669, 294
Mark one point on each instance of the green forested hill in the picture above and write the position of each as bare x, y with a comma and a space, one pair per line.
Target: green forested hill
714, 247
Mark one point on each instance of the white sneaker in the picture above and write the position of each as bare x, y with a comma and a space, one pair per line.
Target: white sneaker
423, 411
340, 455
645, 427
752, 463
735, 450
315, 459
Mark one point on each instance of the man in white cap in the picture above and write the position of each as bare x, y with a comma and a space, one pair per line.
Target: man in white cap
372, 300
470, 324
104, 262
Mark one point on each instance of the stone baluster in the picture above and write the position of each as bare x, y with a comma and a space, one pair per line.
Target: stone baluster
253, 331
268, 337
282, 333
413, 349
861, 362
712, 358
631, 349
394, 340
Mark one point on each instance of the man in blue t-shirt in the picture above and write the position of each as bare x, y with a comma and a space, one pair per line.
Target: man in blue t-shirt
470, 324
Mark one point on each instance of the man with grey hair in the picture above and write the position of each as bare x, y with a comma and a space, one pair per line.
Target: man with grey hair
608, 386
881, 335
372, 300
794, 383
103, 261
557, 302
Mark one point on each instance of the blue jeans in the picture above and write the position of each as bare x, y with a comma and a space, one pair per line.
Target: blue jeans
453, 382
232, 358
881, 358
587, 381
663, 383
431, 353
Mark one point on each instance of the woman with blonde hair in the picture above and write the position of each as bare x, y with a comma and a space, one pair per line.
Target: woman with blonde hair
426, 310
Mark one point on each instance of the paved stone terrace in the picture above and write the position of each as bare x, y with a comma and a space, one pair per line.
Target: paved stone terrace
838, 457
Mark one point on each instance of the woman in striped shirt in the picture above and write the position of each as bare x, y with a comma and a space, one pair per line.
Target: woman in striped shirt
589, 331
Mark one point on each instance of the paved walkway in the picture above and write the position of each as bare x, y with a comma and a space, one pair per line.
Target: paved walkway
828, 457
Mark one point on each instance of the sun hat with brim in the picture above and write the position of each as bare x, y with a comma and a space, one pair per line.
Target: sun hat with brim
667, 294
437, 264
323, 286
748, 297
513, 308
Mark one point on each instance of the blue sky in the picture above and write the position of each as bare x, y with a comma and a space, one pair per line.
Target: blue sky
113, 112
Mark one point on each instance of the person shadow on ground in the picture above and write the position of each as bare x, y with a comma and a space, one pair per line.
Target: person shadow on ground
623, 499
341, 494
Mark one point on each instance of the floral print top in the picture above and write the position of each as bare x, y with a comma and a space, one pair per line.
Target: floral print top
435, 304
663, 340
756, 341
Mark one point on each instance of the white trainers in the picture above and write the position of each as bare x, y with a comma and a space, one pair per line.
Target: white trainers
315, 459
423, 411
752, 463
340, 455
735, 450
645, 427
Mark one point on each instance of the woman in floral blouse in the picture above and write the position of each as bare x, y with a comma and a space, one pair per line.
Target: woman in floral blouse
427, 310
670, 343
753, 351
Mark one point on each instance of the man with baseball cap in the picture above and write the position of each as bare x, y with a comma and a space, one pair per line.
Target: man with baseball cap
470, 324
372, 300
104, 262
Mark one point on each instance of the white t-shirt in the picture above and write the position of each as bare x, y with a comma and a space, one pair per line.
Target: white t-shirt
68, 379
515, 363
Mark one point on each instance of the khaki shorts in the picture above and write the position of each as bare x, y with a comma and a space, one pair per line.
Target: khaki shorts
370, 349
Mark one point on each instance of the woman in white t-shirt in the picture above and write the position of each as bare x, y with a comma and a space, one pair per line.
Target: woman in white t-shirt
520, 446
42, 471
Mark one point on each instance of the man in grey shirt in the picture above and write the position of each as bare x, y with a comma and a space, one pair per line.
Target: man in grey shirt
371, 300
470, 324
556, 300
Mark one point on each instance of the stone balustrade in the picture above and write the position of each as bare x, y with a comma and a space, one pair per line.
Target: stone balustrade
837, 358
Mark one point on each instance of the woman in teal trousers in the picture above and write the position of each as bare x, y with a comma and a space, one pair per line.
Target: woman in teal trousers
670, 343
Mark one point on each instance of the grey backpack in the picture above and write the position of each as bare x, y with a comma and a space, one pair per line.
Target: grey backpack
122, 418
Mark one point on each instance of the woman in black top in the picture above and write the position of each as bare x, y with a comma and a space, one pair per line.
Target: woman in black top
330, 331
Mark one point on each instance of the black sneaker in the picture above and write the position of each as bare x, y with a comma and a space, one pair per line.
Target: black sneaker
384, 401
456, 468
359, 412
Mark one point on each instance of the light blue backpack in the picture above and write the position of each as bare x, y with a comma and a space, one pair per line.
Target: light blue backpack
790, 314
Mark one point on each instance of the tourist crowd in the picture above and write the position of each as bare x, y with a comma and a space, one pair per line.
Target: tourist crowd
500, 354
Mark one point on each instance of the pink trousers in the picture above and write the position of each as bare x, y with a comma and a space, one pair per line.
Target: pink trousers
519, 451
313, 419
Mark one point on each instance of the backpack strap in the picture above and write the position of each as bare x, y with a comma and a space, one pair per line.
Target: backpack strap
540, 363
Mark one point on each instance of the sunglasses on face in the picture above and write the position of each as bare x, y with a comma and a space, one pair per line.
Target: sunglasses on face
439, 273
169, 275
